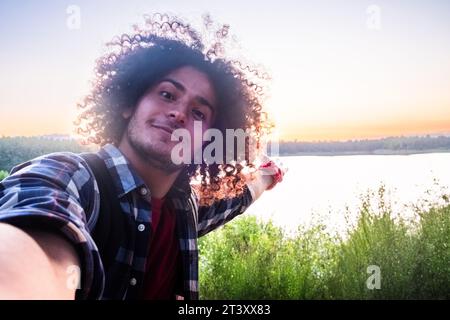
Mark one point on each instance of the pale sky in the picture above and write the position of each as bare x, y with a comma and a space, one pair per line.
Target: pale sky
341, 69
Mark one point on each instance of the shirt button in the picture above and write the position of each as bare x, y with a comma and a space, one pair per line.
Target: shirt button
143, 191
141, 227
133, 281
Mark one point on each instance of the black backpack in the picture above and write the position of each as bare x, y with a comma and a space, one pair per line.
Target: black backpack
112, 228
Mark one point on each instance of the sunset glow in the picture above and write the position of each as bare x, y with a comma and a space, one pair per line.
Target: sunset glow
340, 71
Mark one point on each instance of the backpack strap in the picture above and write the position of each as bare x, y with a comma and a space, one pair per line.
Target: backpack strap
107, 230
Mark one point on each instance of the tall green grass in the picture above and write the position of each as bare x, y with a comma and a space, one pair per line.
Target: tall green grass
250, 259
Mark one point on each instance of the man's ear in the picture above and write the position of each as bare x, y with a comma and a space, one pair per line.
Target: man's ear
127, 113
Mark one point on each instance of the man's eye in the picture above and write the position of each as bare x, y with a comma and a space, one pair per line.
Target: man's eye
198, 115
167, 95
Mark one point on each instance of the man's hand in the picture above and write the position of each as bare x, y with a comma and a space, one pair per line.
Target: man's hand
34, 264
266, 177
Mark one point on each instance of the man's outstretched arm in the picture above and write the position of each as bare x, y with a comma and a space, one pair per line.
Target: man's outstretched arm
211, 217
53, 199
35, 264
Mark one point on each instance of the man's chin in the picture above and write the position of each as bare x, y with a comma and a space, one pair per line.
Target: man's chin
160, 153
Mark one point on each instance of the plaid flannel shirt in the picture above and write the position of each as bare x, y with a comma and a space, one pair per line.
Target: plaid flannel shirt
58, 192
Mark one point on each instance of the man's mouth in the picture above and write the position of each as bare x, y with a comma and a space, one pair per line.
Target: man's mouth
165, 128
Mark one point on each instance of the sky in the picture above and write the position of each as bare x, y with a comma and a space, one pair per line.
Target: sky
340, 69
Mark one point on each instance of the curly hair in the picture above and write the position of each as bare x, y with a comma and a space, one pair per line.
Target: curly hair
139, 60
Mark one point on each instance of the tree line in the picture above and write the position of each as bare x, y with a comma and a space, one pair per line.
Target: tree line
391, 145
16, 150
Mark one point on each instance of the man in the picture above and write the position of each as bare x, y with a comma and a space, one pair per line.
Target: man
128, 217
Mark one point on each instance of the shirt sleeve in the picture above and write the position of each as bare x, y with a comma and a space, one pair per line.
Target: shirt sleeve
57, 193
220, 212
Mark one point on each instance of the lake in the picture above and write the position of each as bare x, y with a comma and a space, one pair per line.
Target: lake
321, 187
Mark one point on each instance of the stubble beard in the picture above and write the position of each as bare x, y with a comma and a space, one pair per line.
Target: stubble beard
149, 151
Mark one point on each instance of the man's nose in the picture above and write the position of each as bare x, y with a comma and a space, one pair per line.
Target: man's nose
178, 115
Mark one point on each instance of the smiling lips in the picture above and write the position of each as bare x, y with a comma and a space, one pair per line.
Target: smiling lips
165, 128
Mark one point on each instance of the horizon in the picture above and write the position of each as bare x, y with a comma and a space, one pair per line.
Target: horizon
427, 135
353, 70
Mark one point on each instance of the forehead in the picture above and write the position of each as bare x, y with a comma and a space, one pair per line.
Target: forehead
194, 81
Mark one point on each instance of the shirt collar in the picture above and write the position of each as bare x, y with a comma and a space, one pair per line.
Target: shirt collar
125, 177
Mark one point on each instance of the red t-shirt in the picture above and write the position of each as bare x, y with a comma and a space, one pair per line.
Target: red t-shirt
163, 261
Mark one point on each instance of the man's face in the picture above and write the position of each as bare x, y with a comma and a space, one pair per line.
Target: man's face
176, 101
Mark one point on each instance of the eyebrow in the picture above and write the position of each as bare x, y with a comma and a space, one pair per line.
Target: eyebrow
180, 87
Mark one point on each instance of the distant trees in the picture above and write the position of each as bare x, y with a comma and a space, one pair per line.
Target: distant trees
386, 145
15, 150
3, 174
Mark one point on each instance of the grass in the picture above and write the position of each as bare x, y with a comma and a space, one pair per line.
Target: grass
3, 174
251, 259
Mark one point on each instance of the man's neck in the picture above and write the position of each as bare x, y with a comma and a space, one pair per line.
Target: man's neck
158, 181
